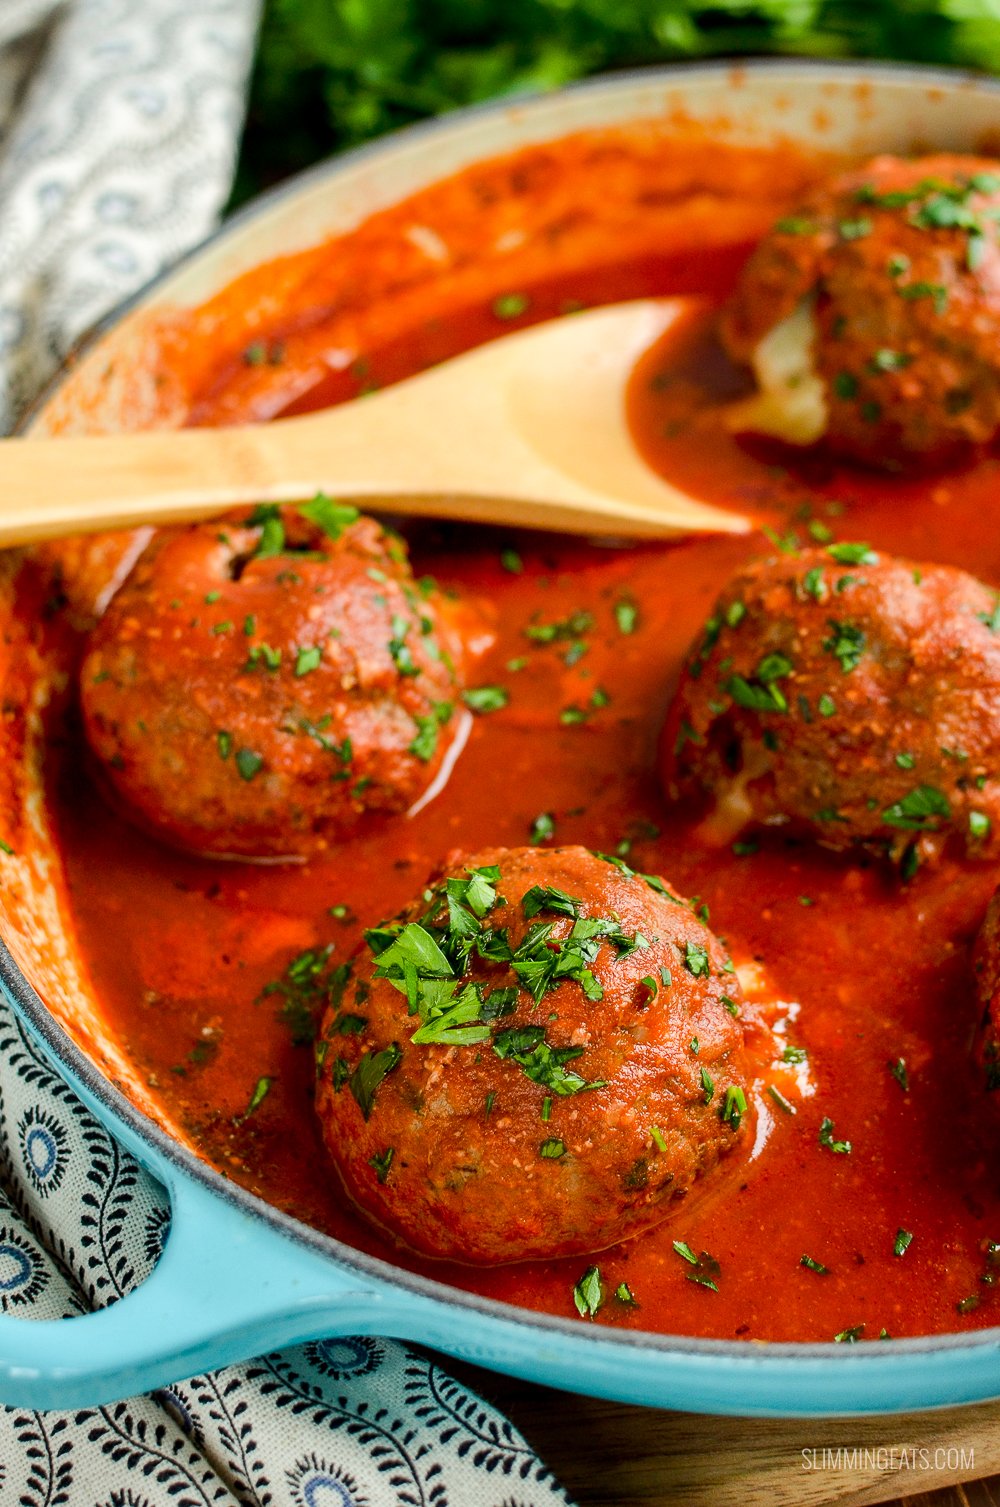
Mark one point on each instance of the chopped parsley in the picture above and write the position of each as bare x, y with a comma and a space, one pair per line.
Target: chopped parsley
382, 1161
991, 619
248, 763
552, 1150
542, 1063
852, 554
626, 616
826, 1138
305, 986
588, 1294
935, 291
696, 960
734, 1107
399, 649
263, 655
899, 1072
624, 1294
486, 698
814, 1266
330, 516
705, 1267
885, 360
260, 1092
846, 644
511, 305
854, 230
369, 1074
308, 659
979, 825
919, 811
543, 828
902, 1242
565, 629
762, 694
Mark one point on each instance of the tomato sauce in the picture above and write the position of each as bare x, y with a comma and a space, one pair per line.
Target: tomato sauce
870, 973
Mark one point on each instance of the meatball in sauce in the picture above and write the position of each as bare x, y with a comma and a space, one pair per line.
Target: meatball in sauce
849, 696
871, 314
987, 968
540, 1056
259, 684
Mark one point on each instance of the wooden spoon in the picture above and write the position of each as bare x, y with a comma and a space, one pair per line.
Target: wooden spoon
529, 429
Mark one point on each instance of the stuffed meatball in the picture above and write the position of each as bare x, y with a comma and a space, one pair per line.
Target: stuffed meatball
538, 1057
257, 686
848, 696
872, 314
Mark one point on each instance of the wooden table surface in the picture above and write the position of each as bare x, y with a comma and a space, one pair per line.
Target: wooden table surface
612, 1455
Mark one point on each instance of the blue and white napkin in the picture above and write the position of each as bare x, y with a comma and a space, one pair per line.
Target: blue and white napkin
119, 122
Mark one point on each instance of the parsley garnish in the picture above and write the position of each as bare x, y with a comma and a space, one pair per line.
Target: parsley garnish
260, 1092
626, 616
382, 1161
567, 628
762, 694
588, 1294
369, 1073
511, 305
332, 517
705, 1266
308, 659
852, 554
542, 1063
842, 1148
248, 763
918, 811
846, 644
902, 1242
543, 828
696, 959
734, 1106
979, 825
486, 698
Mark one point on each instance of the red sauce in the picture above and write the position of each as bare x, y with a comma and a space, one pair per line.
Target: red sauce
180, 950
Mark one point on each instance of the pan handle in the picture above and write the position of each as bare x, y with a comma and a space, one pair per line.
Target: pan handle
228, 1285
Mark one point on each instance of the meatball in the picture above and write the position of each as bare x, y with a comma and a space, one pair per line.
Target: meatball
872, 314
538, 1057
987, 966
849, 696
254, 688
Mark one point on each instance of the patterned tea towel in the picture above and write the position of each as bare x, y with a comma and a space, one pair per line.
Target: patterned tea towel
118, 128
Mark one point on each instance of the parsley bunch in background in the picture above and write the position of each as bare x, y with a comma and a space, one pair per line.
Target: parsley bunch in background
333, 73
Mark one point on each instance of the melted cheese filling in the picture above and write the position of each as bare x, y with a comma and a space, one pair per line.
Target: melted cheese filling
790, 403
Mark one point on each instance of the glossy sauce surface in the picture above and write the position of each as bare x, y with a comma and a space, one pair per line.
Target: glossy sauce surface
182, 951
